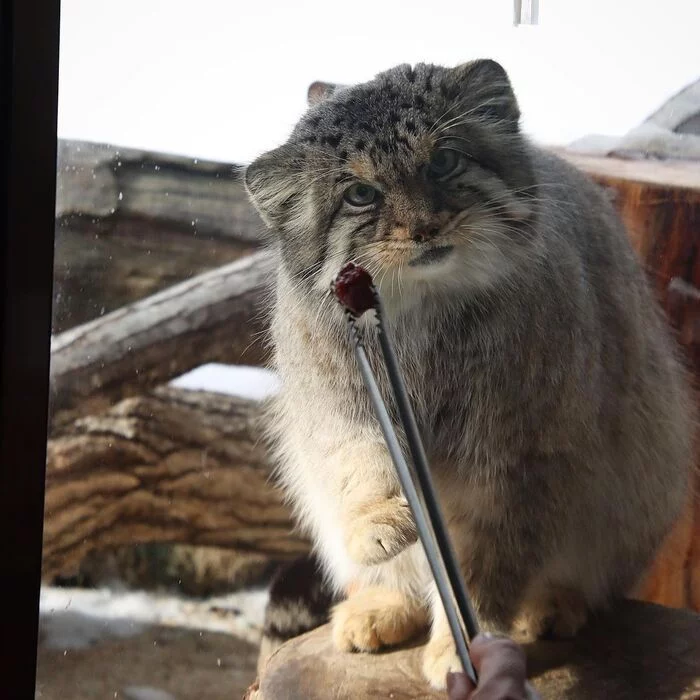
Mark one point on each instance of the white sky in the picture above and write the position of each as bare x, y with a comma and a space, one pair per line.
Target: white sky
226, 80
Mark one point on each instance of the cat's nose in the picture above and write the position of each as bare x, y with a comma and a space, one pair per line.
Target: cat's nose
425, 232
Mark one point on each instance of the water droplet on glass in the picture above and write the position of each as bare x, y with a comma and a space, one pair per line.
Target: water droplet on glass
121, 196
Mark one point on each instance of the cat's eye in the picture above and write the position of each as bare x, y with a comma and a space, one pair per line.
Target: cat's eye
360, 195
444, 162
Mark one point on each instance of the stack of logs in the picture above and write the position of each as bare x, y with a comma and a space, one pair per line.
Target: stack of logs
132, 460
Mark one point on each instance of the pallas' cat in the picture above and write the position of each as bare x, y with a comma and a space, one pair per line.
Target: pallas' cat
554, 413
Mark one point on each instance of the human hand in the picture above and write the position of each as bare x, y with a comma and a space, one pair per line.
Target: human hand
500, 666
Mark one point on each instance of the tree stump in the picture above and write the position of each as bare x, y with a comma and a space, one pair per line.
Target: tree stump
636, 651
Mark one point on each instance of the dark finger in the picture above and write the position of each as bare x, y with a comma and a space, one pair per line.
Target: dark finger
500, 666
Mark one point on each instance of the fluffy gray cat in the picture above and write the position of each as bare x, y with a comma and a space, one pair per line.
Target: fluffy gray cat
554, 413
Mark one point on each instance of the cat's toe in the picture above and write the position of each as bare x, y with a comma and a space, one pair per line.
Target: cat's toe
353, 632
439, 658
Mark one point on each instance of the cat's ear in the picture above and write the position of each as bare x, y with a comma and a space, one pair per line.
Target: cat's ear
319, 91
485, 84
274, 184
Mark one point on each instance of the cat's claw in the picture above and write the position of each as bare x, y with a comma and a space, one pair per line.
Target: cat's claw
379, 532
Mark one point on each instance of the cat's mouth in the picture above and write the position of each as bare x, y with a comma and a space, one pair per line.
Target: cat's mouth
431, 256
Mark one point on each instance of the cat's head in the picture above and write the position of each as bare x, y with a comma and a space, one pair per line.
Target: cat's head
420, 175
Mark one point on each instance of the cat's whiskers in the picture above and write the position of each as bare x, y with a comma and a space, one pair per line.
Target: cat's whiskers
494, 235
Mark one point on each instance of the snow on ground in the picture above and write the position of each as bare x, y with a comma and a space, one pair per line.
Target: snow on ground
76, 618
236, 380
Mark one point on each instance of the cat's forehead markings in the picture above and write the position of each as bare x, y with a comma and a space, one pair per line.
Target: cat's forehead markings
424, 147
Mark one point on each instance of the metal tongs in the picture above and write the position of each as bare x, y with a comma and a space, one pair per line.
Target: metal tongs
422, 498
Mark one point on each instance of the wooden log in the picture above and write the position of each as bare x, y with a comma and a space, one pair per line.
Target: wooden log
191, 570
106, 183
130, 223
214, 317
172, 466
635, 652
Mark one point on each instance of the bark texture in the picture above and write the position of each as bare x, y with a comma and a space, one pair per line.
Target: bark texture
171, 466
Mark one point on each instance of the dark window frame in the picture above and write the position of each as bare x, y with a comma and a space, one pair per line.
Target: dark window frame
29, 37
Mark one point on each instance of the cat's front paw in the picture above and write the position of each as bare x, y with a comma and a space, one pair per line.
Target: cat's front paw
439, 658
378, 531
376, 618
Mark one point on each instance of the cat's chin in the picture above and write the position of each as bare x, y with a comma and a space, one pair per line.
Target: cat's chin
432, 256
